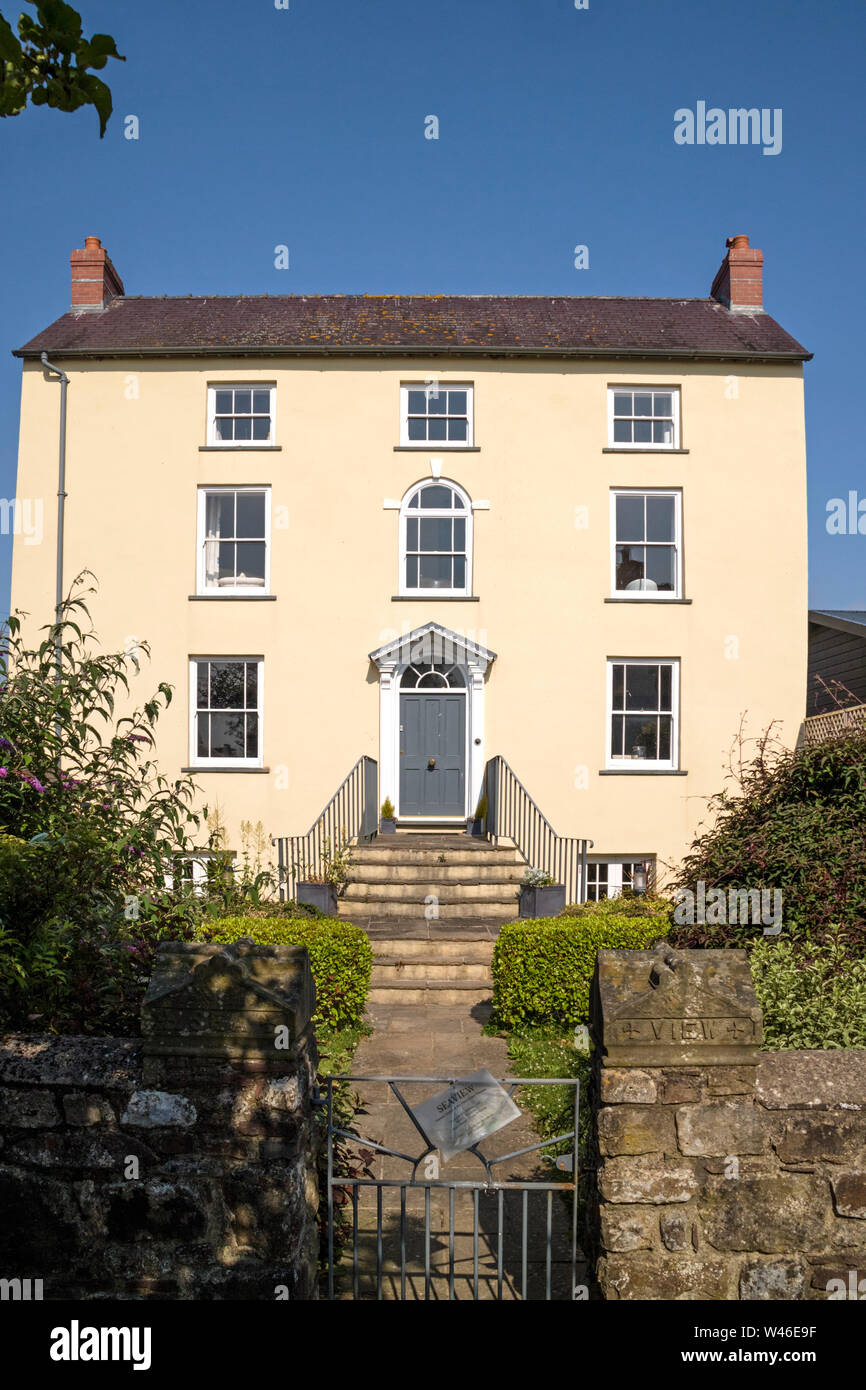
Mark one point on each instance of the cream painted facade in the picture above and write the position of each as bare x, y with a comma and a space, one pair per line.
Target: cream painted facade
541, 567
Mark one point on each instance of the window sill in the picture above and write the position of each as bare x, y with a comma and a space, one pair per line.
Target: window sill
430, 595
432, 447
647, 600
227, 768
642, 772
239, 448
227, 598
632, 449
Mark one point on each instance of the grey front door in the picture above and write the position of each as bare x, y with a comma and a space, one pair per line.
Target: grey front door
432, 754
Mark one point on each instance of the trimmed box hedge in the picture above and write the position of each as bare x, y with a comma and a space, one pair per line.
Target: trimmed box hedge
340, 958
543, 968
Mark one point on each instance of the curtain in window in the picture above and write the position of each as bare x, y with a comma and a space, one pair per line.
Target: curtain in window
212, 534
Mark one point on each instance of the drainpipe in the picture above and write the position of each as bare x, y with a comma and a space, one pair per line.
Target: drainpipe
61, 503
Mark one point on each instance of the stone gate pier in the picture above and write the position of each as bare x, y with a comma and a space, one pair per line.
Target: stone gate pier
722, 1172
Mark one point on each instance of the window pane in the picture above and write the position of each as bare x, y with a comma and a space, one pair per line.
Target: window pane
630, 519
223, 402
202, 747
225, 427
411, 571
617, 725
457, 429
252, 735
456, 679
251, 515
622, 403
660, 518
459, 534
262, 402
417, 427
226, 685
437, 402
435, 571
201, 684
660, 566
630, 565
243, 402
243, 428
226, 515
665, 674
458, 503
665, 735
262, 428
640, 737
459, 574
226, 736
642, 687
643, 404
436, 496
457, 402
417, 402
436, 534
436, 428
662, 402
622, 431
412, 533
252, 684
251, 560
226, 570
432, 679
642, 431
663, 432
618, 687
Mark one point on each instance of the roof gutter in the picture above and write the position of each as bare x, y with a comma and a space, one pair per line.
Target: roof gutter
426, 350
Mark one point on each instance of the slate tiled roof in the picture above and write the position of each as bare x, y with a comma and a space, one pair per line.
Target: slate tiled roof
848, 619
399, 324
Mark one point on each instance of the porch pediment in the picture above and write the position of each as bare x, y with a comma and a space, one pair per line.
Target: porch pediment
432, 643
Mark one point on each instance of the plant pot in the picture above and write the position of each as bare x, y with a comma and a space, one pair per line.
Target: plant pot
475, 825
320, 895
387, 825
542, 902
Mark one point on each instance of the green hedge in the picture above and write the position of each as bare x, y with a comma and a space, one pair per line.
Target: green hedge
542, 970
340, 958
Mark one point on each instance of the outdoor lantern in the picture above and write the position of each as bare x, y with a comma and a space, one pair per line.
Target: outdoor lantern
639, 880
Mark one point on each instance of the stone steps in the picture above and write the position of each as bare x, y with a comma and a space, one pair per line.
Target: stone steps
436, 993
418, 890
462, 909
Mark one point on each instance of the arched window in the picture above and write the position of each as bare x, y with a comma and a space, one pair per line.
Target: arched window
432, 675
436, 540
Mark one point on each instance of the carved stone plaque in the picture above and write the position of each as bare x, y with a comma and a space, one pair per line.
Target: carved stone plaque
666, 1008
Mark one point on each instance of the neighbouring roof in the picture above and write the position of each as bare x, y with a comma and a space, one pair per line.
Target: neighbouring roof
851, 620
526, 325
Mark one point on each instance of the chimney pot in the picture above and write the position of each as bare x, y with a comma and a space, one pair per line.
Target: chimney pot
95, 282
739, 280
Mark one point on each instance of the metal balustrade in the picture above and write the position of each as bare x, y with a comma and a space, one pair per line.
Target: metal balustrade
512, 814
352, 814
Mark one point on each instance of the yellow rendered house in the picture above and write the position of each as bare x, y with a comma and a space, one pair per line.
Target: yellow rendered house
544, 551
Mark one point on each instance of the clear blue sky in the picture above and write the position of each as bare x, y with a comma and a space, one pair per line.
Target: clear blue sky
305, 127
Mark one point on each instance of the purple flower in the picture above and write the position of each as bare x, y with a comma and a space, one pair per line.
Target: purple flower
31, 781
4, 743
3, 772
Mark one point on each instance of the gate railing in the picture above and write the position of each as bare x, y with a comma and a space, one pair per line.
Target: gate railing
512, 814
385, 1258
352, 814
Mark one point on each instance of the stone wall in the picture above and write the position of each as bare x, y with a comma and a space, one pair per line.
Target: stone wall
181, 1165
723, 1172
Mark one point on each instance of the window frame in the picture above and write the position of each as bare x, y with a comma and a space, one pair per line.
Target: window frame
617, 863
194, 759
432, 513
435, 445
213, 387
233, 590
673, 391
639, 765
642, 595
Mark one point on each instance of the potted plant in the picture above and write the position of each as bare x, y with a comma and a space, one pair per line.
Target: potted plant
540, 896
475, 825
388, 821
320, 889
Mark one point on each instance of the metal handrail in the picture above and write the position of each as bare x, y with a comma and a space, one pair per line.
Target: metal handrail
350, 815
513, 814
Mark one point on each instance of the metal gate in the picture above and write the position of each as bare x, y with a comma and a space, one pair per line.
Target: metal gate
403, 1234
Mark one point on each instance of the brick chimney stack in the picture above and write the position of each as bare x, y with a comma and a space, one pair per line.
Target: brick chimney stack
95, 282
739, 280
